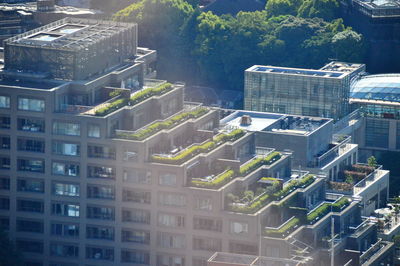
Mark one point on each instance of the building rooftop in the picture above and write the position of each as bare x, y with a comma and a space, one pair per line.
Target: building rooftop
382, 88
279, 123
380, 3
297, 71
31, 7
70, 33
342, 66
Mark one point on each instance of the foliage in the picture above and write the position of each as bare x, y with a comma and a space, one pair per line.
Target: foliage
349, 179
203, 48
284, 230
8, 253
166, 124
318, 213
340, 204
136, 98
340, 186
196, 149
244, 170
372, 161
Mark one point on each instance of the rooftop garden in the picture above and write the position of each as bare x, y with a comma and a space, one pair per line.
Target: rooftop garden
166, 124
135, 99
195, 149
350, 177
244, 170
311, 218
251, 201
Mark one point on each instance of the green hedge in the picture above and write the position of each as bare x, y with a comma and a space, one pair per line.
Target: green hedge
254, 164
284, 230
196, 149
136, 98
219, 181
258, 204
319, 212
115, 105
340, 204
167, 124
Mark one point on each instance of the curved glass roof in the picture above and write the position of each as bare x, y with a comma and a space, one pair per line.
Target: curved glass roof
385, 87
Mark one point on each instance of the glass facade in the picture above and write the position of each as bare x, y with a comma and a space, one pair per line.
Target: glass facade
29, 104
377, 133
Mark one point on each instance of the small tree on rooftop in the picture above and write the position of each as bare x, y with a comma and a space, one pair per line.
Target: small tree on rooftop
372, 161
349, 179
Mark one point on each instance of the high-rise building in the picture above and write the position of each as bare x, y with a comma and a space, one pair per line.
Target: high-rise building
322, 93
100, 165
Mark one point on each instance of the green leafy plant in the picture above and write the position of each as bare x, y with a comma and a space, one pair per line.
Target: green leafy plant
167, 124
284, 230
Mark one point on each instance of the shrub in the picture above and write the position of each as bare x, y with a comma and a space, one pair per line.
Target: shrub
281, 232
319, 212
256, 163
340, 204
196, 149
136, 98
157, 126
115, 105
220, 180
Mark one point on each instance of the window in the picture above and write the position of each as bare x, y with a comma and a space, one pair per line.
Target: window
136, 216
31, 226
101, 172
102, 213
170, 260
5, 223
68, 149
239, 228
377, 133
30, 185
63, 189
168, 240
30, 205
100, 253
66, 128
5, 142
136, 196
135, 256
4, 183
137, 176
99, 232
5, 163
101, 152
31, 246
203, 204
171, 220
65, 229
31, 124
93, 131
31, 165
172, 199
31, 145
207, 244
5, 122
4, 102
4, 203
65, 209
135, 236
64, 250
167, 179
67, 169
28, 104
100, 192
208, 224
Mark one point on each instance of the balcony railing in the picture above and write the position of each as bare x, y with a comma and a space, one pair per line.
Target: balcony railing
283, 230
367, 180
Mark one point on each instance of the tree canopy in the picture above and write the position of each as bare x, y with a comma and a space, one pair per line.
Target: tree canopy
207, 49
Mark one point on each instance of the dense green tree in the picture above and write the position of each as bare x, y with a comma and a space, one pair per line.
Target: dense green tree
326, 9
348, 46
9, 256
280, 7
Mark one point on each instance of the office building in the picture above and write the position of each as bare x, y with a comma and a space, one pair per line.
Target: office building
322, 93
100, 165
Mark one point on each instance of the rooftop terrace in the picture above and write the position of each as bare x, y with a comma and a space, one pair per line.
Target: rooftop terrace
257, 121
297, 71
